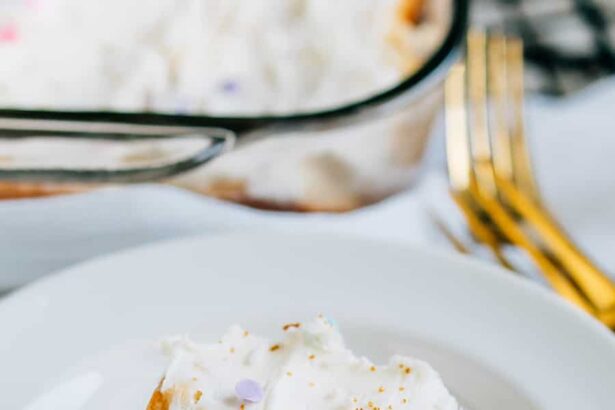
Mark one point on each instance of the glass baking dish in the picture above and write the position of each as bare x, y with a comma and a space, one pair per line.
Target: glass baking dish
340, 174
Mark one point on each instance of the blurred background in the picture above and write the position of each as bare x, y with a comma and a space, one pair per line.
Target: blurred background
568, 43
341, 180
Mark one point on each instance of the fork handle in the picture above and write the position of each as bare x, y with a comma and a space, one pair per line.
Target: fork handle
480, 230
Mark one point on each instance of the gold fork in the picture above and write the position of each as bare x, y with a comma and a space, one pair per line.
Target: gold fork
492, 180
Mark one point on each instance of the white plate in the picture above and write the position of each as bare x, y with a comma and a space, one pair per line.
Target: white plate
500, 343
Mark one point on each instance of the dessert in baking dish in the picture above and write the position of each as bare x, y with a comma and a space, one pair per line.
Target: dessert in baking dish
310, 368
226, 57
238, 58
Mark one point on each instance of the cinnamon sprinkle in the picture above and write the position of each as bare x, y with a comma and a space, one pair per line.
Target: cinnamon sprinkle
291, 325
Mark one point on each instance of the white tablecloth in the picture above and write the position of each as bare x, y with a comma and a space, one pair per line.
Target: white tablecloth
573, 143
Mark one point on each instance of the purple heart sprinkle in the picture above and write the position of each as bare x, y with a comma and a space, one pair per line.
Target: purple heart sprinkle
230, 86
249, 390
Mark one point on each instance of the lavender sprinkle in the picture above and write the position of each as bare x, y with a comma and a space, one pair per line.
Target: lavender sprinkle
249, 390
230, 86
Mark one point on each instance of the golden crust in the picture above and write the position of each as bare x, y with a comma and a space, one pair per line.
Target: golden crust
236, 191
233, 191
411, 11
159, 400
23, 190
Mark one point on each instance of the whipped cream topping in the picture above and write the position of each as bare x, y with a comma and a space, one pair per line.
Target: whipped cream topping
240, 57
311, 368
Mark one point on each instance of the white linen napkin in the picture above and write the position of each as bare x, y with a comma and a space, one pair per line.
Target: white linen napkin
573, 142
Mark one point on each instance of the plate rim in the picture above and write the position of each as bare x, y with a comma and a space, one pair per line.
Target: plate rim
484, 269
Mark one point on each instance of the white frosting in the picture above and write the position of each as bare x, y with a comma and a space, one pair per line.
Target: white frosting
215, 56
310, 369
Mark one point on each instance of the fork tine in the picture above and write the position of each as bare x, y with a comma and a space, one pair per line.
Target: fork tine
523, 173
498, 89
457, 147
458, 161
477, 228
480, 229
479, 130
455, 241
